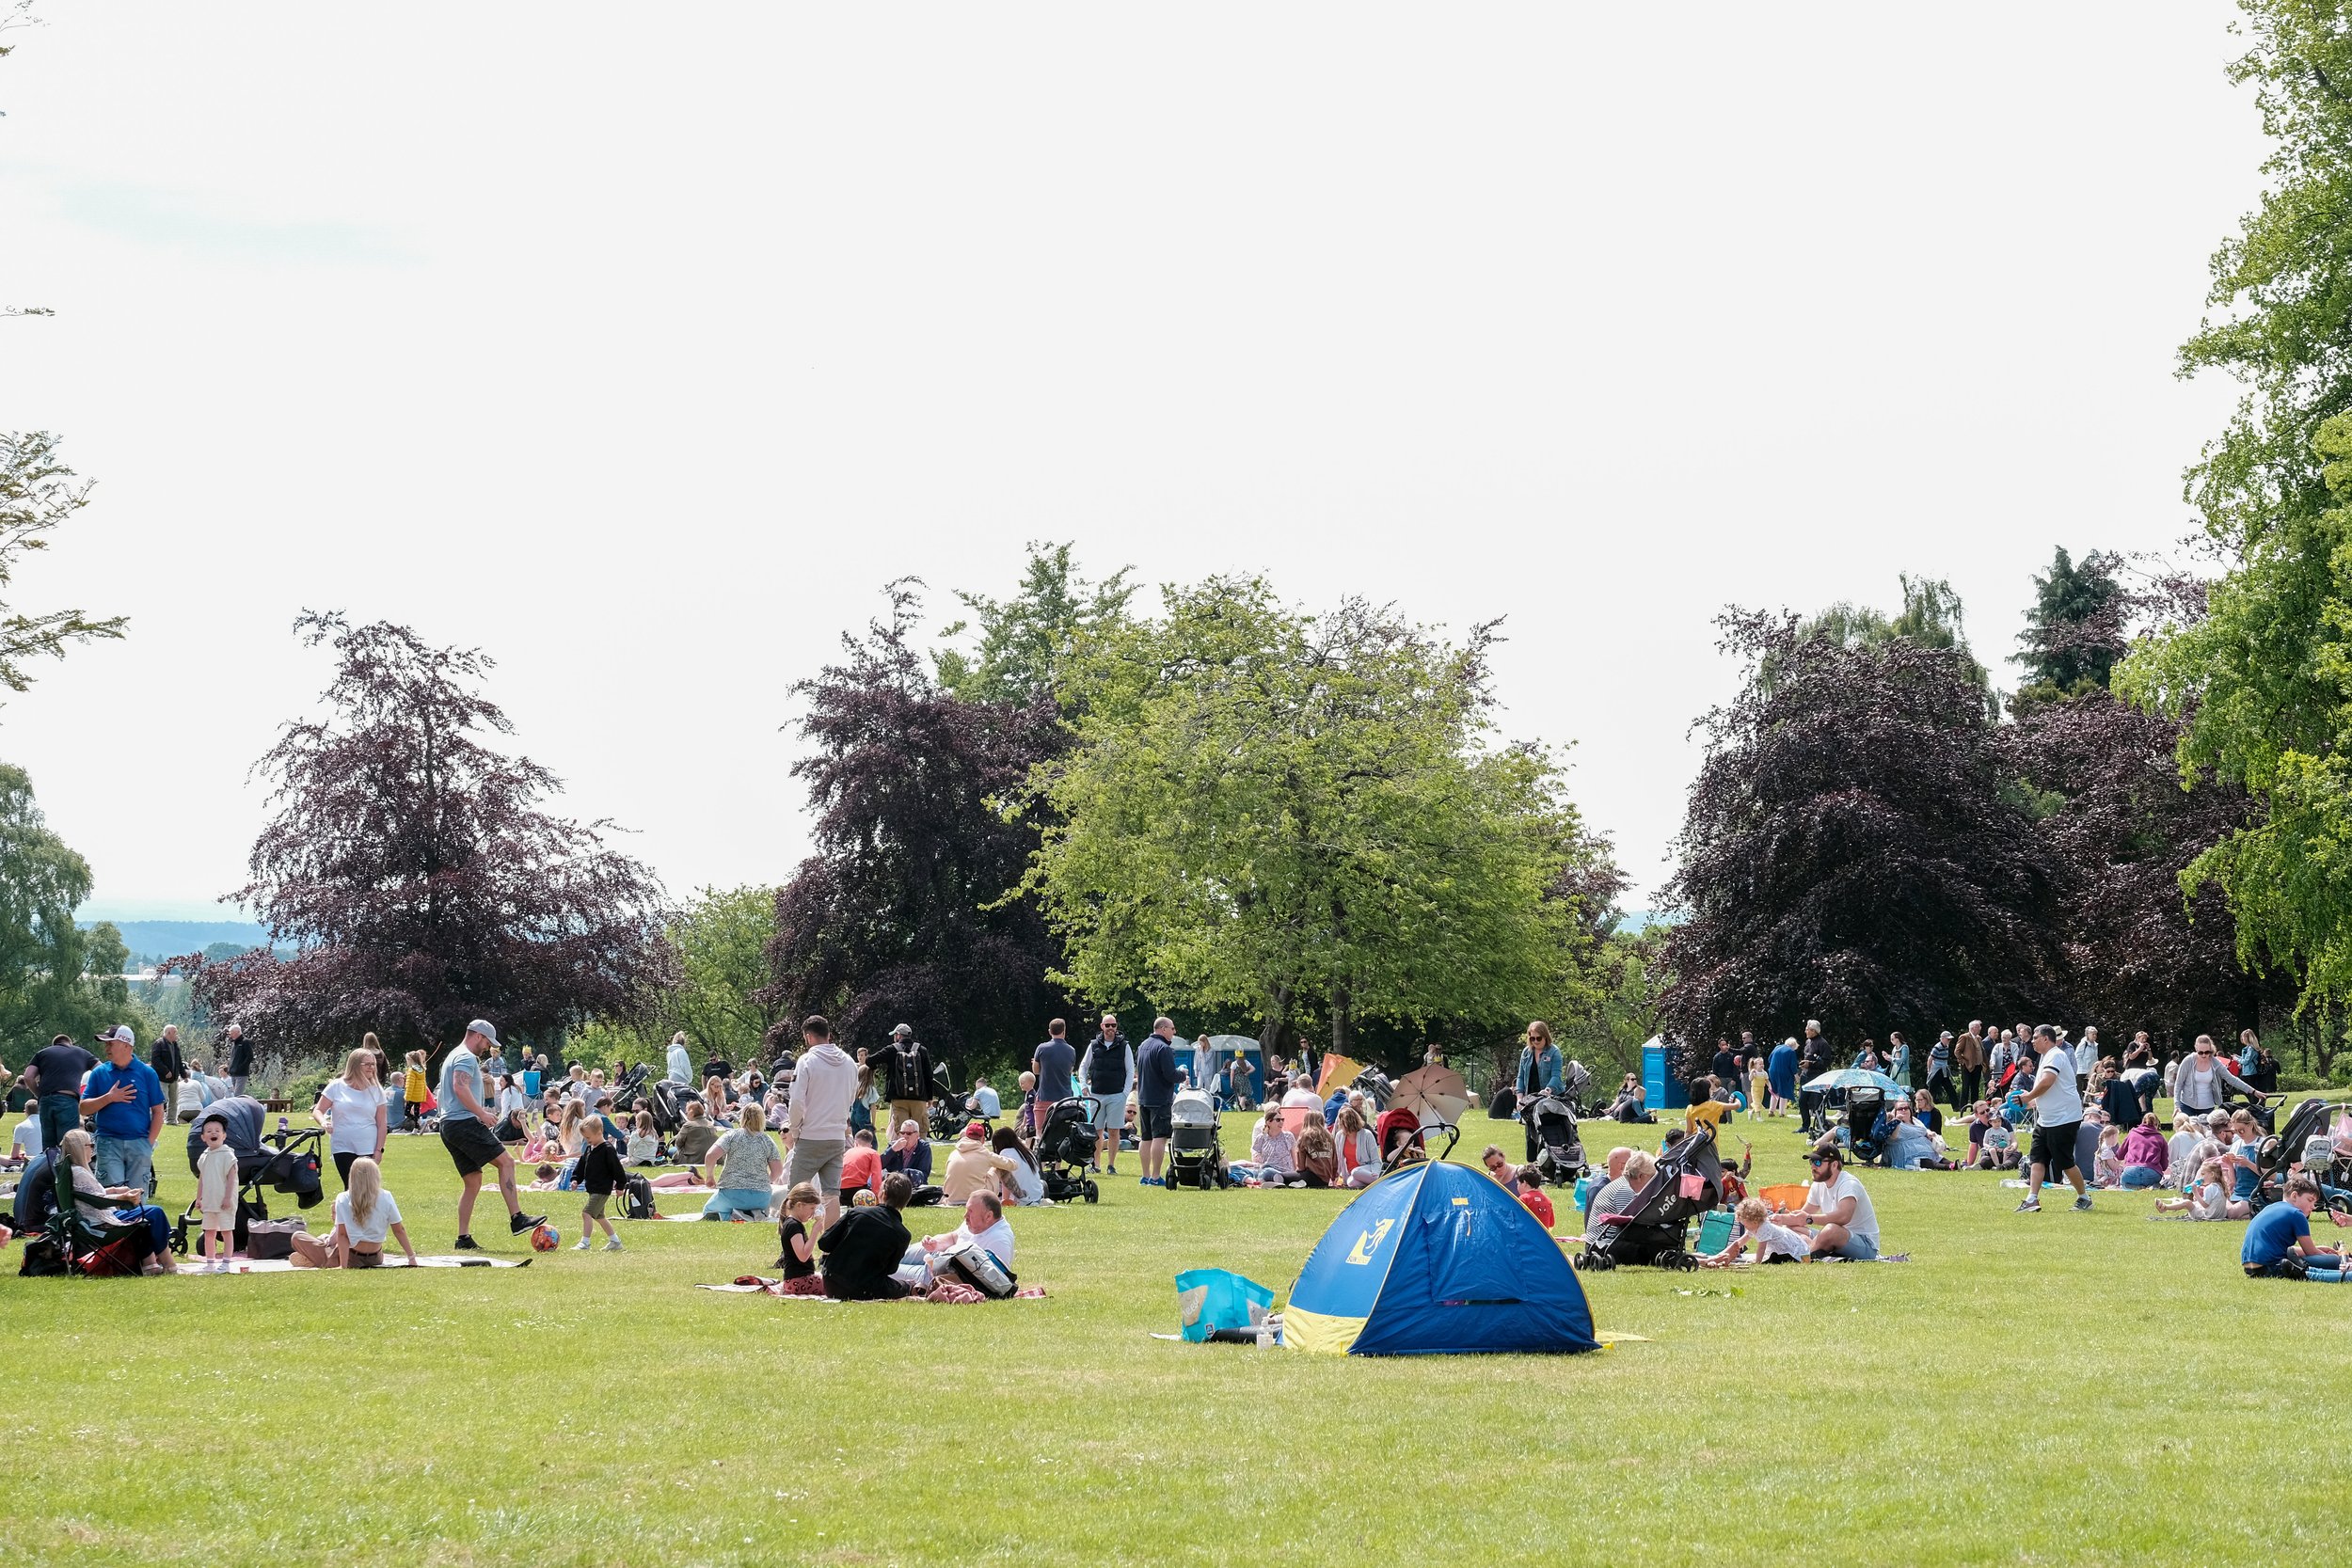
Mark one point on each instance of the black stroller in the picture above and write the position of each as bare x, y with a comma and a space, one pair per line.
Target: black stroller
1863, 1106
288, 1165
667, 1101
1066, 1148
1559, 1150
1656, 1225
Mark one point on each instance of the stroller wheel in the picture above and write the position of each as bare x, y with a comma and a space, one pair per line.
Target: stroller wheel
1596, 1262
1680, 1262
1092, 1193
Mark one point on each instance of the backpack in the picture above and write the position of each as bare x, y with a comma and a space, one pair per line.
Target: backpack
638, 1204
969, 1263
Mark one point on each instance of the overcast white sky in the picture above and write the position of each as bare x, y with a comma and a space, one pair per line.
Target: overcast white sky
639, 345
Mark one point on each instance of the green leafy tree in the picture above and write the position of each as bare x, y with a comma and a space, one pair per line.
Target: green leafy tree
37, 493
1932, 616
2064, 650
2263, 678
1026, 642
1299, 816
55, 978
720, 942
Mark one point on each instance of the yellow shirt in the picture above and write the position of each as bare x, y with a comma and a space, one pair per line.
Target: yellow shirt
1711, 1112
412, 1087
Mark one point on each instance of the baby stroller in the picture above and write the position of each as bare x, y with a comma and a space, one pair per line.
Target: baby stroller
1376, 1088
289, 1165
1576, 1087
1863, 1109
1656, 1223
629, 1093
667, 1101
1066, 1147
1196, 1157
949, 1116
1559, 1151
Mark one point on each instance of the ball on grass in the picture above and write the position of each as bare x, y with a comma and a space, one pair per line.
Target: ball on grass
863, 1199
544, 1239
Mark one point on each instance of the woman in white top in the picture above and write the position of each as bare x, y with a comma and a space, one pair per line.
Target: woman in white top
352, 1107
364, 1214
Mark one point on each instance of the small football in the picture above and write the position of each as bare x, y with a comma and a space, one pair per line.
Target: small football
544, 1239
862, 1198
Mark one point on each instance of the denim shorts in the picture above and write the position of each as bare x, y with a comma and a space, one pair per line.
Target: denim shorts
1858, 1247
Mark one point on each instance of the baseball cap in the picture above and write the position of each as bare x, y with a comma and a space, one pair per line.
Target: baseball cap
900, 1029
483, 1027
119, 1032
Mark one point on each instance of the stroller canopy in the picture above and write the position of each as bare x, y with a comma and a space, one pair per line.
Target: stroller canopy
1436, 1260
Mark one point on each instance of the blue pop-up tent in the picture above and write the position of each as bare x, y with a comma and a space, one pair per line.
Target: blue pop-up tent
1436, 1260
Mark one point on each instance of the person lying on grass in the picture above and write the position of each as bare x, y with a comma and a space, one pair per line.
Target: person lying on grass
2279, 1244
1774, 1242
364, 1214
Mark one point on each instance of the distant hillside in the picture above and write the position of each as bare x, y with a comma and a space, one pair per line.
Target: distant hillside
168, 939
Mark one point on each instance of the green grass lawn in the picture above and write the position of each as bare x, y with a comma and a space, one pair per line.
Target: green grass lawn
2061, 1388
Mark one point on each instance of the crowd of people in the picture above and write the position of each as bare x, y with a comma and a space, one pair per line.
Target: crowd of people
819, 1137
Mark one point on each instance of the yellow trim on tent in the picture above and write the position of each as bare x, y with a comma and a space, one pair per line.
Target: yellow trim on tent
1319, 1331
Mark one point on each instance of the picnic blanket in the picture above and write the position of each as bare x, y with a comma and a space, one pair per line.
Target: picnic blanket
285, 1265
944, 1293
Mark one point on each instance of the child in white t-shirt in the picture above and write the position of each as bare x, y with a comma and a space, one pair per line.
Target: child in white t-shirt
216, 1195
1773, 1243
25, 1146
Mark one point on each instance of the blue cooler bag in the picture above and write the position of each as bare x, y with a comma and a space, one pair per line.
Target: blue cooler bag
1218, 1301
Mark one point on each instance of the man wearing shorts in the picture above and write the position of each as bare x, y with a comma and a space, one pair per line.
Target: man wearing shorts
1155, 1094
824, 1085
1108, 1071
466, 1134
906, 1075
2057, 1114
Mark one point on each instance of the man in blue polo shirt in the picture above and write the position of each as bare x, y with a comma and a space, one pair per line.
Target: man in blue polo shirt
124, 1101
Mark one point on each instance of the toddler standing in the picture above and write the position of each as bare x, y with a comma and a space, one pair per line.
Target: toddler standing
216, 1195
599, 1171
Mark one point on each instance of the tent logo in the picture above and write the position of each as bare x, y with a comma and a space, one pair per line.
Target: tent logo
1369, 1242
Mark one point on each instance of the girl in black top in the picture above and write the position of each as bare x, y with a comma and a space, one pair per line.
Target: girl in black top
796, 1250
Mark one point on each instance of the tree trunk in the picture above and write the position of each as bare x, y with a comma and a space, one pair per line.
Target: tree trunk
1339, 1017
1277, 1012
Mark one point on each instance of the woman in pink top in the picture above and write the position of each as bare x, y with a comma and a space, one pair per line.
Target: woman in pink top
2146, 1155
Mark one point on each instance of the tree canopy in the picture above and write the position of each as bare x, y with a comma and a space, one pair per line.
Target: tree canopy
1849, 852
412, 868
1297, 816
901, 915
54, 976
2262, 680
38, 493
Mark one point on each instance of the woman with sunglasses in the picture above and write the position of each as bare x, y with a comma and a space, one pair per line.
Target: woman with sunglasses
2197, 1089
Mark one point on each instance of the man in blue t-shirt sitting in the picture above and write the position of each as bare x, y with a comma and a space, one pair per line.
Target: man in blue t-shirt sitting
2279, 1243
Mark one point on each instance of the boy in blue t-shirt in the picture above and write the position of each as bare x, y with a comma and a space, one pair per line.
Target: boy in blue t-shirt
2279, 1243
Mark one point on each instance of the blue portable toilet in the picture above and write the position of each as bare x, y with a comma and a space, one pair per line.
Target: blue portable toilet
1436, 1260
1661, 1089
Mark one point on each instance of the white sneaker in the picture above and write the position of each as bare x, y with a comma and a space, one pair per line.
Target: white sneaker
613, 1244
580, 1246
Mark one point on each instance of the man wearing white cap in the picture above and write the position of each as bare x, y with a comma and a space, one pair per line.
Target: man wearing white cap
466, 1134
124, 1101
